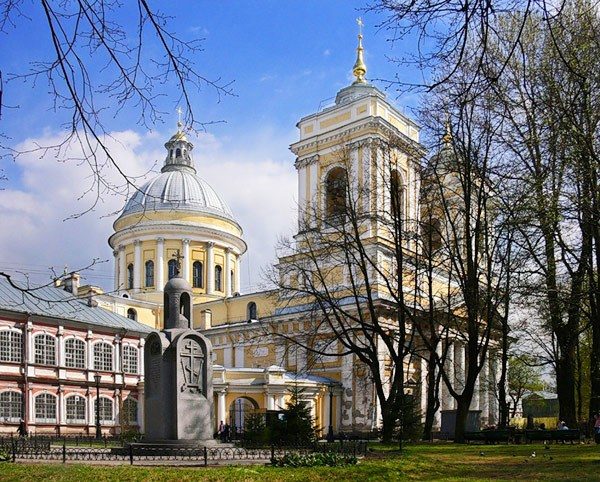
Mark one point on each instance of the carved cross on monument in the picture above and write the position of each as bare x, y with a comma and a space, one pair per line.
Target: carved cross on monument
178, 256
192, 364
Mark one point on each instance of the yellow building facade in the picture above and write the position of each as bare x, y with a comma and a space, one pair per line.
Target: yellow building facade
178, 215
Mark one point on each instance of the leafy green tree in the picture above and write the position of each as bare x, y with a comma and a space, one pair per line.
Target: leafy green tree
523, 376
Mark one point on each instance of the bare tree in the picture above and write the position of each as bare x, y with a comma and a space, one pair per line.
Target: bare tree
108, 57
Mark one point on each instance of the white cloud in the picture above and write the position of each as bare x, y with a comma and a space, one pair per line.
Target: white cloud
256, 178
326, 53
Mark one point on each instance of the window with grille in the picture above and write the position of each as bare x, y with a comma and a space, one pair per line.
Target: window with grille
75, 409
11, 346
130, 411
130, 359
45, 349
106, 410
45, 408
218, 278
11, 406
103, 357
149, 273
132, 314
198, 272
74, 353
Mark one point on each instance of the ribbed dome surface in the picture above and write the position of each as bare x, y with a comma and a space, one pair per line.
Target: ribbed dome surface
180, 190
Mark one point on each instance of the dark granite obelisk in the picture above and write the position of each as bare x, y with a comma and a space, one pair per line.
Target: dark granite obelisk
178, 374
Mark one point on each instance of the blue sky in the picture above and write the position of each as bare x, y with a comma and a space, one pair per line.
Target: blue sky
284, 57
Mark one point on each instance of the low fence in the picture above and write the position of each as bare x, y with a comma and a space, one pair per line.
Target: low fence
131, 453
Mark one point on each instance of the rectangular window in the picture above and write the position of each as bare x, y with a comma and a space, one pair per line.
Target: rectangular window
76, 409
45, 350
11, 346
74, 353
11, 406
130, 359
103, 357
45, 408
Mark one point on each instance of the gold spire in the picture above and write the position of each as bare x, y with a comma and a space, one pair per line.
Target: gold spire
360, 69
180, 134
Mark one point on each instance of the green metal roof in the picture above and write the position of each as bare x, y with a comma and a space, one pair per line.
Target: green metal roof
57, 303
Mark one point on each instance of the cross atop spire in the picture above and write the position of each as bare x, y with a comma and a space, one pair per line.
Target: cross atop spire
179, 113
178, 257
360, 69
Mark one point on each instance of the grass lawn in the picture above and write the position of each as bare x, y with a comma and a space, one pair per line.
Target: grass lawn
418, 462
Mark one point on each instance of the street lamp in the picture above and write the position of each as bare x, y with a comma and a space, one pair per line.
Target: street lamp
97, 378
330, 438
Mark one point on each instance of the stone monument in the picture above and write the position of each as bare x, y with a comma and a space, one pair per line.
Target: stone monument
178, 368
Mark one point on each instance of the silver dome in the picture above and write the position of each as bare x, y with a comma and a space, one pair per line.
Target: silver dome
177, 190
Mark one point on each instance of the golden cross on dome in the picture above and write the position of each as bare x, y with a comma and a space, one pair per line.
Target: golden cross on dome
360, 24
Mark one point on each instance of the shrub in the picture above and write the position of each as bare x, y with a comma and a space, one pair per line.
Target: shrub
329, 459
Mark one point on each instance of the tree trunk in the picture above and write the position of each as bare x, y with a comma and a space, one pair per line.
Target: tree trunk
462, 413
433, 402
565, 382
388, 423
595, 370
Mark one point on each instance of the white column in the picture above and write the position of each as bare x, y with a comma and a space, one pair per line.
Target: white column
484, 392
238, 276
281, 402
141, 344
90, 352
137, 265
423, 404
449, 401
160, 264
493, 400
210, 268
91, 409
186, 260
239, 356
228, 356
122, 269
459, 365
221, 407
475, 400
326, 412
116, 276
437, 416
313, 207
302, 208
228, 280
61, 416
270, 401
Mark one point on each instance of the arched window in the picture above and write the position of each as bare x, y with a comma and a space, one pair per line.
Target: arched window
130, 359
11, 406
197, 274
336, 187
130, 411
130, 276
75, 405
218, 278
106, 410
432, 235
45, 408
131, 314
74, 353
172, 264
103, 356
171, 153
252, 312
178, 152
149, 273
396, 196
11, 346
45, 349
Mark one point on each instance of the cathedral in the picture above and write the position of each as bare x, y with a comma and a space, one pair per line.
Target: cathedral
177, 217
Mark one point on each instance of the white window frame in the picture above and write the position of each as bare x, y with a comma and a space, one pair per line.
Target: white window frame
43, 418
131, 359
102, 362
80, 402
73, 354
44, 352
11, 410
128, 410
105, 402
11, 345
